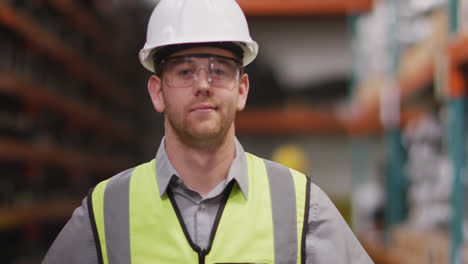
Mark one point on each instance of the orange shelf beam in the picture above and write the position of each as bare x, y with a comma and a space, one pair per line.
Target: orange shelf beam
309, 121
303, 7
368, 121
22, 151
42, 211
73, 62
459, 50
15, 85
288, 121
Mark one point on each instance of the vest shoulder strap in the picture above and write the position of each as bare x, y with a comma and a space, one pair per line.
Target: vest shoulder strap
105, 217
290, 199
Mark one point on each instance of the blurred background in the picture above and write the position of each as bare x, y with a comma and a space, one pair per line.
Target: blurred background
367, 97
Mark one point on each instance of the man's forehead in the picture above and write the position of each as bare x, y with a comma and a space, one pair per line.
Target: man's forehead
204, 50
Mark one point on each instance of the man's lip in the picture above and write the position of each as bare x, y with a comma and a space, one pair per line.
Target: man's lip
203, 107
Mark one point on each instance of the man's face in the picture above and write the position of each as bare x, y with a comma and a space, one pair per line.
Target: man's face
204, 110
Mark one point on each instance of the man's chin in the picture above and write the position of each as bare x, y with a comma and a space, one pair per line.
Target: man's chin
205, 134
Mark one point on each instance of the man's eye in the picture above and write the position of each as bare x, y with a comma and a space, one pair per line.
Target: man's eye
185, 72
218, 72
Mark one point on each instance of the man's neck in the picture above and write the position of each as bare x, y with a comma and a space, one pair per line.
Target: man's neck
201, 169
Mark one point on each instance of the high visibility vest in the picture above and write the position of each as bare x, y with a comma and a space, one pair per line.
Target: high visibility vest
132, 223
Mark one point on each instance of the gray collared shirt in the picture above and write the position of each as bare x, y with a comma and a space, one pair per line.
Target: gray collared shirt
329, 239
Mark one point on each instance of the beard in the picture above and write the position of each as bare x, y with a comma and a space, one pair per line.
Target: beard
205, 131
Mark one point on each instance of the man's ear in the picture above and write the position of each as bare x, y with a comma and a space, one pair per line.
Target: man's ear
155, 91
243, 92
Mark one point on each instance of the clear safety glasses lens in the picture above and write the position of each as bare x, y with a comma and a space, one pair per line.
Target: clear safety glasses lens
219, 71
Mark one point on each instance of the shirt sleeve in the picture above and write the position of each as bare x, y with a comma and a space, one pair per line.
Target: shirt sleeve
75, 242
329, 239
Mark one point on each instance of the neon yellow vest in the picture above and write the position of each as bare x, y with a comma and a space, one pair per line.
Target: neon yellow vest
244, 234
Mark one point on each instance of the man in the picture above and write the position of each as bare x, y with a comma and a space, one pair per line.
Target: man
203, 199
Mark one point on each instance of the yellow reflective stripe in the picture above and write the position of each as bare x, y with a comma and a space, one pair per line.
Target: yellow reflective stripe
98, 209
300, 182
157, 235
245, 231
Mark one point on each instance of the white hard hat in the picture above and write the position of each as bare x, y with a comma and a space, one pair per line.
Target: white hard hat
197, 21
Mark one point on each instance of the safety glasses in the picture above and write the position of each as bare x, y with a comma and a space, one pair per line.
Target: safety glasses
182, 71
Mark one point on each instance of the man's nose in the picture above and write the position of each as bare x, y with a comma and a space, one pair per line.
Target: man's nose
202, 79
206, 74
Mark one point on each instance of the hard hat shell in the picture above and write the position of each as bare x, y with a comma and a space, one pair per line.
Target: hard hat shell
197, 21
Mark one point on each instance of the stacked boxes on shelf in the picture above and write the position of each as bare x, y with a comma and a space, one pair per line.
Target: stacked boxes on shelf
427, 59
422, 247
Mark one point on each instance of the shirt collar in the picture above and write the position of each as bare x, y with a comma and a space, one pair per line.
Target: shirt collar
238, 171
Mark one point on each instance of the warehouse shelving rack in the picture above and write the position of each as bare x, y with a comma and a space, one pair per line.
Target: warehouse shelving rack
87, 24
364, 120
74, 63
111, 123
13, 84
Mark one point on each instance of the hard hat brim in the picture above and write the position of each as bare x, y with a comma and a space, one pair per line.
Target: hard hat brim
250, 52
